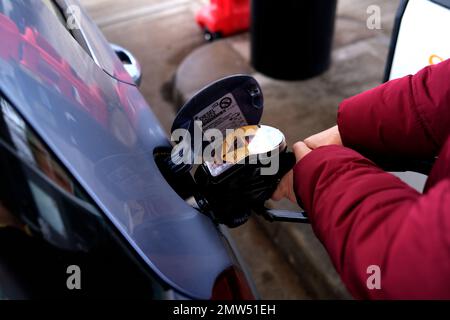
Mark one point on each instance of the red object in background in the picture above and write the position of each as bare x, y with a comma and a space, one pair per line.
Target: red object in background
222, 18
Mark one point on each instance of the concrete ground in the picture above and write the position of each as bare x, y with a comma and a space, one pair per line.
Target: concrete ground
286, 260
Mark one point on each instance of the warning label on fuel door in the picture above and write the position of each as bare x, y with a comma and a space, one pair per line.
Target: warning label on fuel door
222, 114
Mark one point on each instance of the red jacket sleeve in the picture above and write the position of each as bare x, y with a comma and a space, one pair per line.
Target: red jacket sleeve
365, 216
407, 117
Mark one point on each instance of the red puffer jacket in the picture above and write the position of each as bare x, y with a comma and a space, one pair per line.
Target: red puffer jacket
365, 216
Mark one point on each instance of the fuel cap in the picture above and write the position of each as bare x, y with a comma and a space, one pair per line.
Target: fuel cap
247, 144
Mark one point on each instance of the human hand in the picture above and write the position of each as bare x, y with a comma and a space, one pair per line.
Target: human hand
325, 138
285, 188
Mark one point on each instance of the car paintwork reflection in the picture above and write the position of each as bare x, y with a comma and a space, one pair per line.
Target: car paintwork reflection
97, 127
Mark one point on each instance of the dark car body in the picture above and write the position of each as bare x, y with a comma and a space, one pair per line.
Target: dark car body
79, 165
